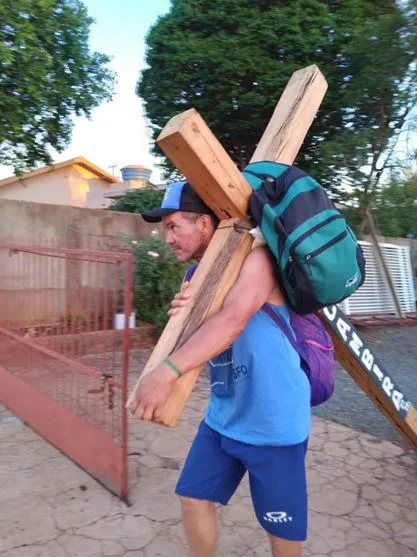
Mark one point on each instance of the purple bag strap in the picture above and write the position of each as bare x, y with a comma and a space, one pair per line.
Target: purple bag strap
190, 272
278, 320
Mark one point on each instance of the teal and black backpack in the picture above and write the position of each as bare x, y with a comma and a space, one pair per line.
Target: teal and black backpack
319, 261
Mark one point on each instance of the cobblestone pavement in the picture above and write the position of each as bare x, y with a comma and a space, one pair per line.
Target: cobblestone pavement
363, 496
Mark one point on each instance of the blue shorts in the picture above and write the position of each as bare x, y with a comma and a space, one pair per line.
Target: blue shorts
216, 465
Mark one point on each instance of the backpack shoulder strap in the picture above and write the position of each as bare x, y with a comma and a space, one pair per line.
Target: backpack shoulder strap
278, 320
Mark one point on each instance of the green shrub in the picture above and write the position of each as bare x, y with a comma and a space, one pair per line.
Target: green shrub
157, 278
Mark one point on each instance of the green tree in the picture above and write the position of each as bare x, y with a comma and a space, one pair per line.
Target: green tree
231, 59
139, 200
47, 76
396, 208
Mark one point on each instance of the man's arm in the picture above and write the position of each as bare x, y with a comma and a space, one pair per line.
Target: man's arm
255, 283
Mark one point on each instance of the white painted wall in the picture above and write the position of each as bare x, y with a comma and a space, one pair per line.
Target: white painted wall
71, 185
51, 187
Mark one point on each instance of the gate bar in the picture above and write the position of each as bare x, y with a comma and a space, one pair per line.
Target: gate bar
56, 355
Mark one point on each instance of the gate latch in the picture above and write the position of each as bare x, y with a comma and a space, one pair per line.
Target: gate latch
107, 388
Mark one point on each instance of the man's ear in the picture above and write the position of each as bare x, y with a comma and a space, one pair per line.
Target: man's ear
206, 225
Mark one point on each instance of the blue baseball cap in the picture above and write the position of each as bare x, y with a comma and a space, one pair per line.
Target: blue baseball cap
179, 196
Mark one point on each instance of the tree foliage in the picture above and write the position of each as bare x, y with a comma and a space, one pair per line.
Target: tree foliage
47, 76
231, 59
396, 208
139, 200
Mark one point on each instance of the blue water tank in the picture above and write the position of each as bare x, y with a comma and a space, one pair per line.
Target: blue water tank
136, 172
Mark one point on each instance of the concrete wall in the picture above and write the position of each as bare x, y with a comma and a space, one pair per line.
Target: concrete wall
73, 227
36, 289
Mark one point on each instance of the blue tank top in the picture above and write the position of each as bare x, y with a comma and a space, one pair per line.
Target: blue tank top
259, 393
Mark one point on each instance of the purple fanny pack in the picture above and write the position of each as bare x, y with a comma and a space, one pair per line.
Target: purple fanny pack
315, 348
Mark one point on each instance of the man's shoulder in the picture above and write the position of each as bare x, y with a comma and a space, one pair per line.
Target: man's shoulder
260, 259
258, 269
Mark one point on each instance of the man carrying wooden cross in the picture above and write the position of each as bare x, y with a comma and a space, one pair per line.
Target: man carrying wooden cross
258, 416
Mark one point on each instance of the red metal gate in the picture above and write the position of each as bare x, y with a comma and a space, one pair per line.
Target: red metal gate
63, 364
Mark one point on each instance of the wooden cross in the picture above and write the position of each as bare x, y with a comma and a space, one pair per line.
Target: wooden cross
195, 151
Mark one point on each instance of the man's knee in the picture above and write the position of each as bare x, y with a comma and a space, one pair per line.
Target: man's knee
196, 505
192, 502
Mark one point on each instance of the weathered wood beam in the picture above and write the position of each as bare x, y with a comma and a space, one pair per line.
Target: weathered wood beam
368, 372
196, 152
292, 117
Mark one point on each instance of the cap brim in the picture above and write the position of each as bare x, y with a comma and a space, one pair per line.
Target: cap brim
156, 214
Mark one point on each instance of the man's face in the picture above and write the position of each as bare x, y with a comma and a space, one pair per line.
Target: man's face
188, 238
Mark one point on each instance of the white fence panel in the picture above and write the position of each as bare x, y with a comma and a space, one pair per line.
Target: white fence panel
374, 296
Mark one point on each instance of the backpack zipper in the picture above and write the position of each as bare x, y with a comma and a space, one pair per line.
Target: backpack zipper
309, 232
323, 248
318, 345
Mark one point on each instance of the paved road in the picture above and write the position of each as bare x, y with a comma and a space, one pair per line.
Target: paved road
396, 347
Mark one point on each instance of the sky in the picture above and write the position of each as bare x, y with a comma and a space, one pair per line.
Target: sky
116, 134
